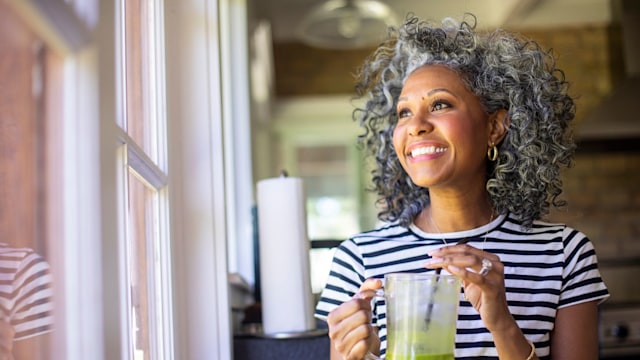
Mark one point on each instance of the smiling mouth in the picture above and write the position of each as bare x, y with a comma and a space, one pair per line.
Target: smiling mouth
427, 150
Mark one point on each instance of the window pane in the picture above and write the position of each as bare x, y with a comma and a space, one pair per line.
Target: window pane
141, 232
21, 146
26, 290
332, 209
138, 59
147, 240
331, 200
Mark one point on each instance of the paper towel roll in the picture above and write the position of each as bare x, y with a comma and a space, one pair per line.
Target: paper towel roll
287, 303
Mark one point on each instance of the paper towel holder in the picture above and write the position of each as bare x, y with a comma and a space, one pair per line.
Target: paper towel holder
300, 321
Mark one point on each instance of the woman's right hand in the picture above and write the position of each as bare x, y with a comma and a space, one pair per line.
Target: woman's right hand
350, 329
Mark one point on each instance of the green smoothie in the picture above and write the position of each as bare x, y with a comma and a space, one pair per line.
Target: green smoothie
422, 310
433, 344
421, 357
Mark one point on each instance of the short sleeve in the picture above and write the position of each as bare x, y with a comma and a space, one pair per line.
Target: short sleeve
33, 306
346, 275
581, 278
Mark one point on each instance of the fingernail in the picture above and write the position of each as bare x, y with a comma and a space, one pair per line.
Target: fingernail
433, 261
454, 269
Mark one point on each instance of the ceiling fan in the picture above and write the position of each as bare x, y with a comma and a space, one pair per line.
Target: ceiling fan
346, 24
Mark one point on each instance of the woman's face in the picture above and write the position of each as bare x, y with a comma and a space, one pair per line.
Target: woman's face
442, 133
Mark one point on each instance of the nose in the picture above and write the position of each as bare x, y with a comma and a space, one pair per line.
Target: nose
419, 125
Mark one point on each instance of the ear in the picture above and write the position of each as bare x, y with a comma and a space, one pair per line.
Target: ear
498, 126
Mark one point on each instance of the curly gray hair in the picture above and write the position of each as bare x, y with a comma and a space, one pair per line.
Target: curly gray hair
505, 71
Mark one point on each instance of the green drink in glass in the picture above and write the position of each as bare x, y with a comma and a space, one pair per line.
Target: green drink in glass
422, 310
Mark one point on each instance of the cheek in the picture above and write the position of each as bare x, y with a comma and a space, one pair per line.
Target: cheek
473, 139
398, 143
466, 131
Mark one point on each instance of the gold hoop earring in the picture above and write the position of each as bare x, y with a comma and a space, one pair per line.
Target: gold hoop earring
492, 153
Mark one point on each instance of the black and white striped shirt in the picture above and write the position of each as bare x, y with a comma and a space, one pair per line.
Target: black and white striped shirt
25, 292
546, 268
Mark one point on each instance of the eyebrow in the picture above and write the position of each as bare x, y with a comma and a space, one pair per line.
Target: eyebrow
431, 92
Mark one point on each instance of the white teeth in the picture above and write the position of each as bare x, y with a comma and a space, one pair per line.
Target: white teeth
426, 150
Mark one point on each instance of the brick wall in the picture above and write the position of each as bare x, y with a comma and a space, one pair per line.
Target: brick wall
601, 189
604, 202
591, 58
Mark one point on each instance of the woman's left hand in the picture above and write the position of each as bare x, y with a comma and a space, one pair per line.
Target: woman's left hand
485, 292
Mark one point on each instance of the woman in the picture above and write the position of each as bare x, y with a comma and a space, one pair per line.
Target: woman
470, 132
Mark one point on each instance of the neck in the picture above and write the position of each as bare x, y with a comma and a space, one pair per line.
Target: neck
446, 216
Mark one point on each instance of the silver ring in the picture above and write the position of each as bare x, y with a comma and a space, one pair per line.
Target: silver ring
486, 267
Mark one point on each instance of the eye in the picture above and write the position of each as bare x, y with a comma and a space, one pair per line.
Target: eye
439, 105
403, 113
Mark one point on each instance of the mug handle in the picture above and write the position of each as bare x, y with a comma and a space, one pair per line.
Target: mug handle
371, 356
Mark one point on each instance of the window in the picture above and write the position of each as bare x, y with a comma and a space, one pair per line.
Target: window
136, 234
332, 207
144, 183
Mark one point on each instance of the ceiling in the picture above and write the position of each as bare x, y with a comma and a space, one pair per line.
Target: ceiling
285, 15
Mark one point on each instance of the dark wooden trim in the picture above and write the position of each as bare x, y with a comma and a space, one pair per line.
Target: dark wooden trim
325, 243
628, 144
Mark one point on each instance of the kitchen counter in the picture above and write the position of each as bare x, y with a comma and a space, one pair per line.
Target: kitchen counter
312, 347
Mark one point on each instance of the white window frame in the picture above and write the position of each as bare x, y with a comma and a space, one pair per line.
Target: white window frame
196, 159
89, 290
132, 158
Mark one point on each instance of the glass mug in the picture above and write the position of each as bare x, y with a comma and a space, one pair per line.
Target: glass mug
421, 313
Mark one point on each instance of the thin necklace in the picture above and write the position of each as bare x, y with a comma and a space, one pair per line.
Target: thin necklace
445, 241
439, 270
